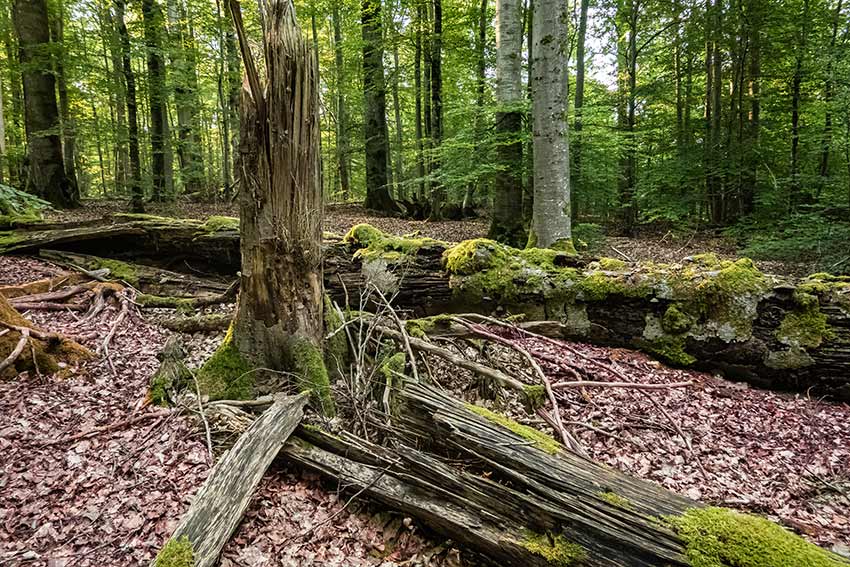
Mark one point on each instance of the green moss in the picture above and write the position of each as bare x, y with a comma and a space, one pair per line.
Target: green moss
176, 553
307, 362
10, 239
392, 366
373, 243
615, 499
217, 223
612, 264
805, 325
226, 375
420, 328
336, 347
675, 321
539, 439
717, 537
181, 304
671, 349
793, 358
118, 270
556, 549
535, 396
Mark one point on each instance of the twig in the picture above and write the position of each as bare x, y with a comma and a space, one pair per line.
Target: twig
625, 257
204, 418
628, 385
405, 337
16, 352
568, 439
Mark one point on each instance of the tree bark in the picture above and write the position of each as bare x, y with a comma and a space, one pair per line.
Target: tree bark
796, 193
417, 86
438, 192
506, 225
576, 174
69, 140
279, 318
46, 169
343, 145
137, 192
375, 110
551, 220
157, 97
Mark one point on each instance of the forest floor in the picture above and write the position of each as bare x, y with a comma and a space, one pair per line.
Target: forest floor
112, 497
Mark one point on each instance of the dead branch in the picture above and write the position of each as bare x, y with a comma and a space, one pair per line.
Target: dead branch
627, 385
48, 306
103, 429
16, 352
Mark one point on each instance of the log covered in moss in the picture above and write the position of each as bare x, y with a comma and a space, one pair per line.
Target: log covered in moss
705, 313
517, 502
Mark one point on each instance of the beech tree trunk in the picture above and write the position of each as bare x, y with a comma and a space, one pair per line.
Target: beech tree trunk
69, 140
438, 192
46, 168
137, 192
375, 110
551, 219
576, 173
343, 146
157, 97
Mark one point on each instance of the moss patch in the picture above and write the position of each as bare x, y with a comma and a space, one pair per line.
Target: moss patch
308, 363
616, 500
176, 553
392, 366
227, 375
535, 396
420, 328
804, 326
374, 243
539, 439
181, 304
217, 223
336, 347
556, 549
717, 537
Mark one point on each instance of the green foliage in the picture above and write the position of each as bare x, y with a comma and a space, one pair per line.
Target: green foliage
588, 237
616, 500
176, 553
18, 207
373, 243
717, 537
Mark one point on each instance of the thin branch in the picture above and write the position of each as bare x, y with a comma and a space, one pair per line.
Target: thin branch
16, 352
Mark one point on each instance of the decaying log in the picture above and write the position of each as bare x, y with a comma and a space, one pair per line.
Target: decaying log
704, 313
172, 376
147, 279
518, 499
42, 286
218, 507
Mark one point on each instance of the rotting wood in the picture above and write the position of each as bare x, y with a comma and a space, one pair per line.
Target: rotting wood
218, 506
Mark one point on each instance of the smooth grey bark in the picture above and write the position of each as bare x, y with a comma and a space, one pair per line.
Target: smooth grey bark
579, 106
551, 219
398, 162
506, 224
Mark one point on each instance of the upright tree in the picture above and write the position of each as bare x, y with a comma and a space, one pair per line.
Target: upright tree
579, 104
375, 110
438, 195
506, 223
137, 192
69, 140
551, 221
157, 97
45, 164
343, 144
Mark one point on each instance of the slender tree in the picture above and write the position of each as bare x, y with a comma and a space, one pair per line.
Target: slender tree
343, 145
69, 140
506, 224
438, 195
375, 110
137, 193
45, 168
157, 98
551, 221
579, 108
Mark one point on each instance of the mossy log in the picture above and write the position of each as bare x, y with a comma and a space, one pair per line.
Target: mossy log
704, 313
520, 501
218, 506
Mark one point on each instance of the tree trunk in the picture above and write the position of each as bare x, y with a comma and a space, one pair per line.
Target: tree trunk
417, 86
438, 191
157, 97
551, 221
797, 196
137, 192
16, 107
576, 173
343, 146
234, 87
480, 87
46, 169
399, 140
375, 110
506, 225
66, 120
278, 323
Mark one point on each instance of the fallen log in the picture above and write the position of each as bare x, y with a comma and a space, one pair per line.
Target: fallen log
517, 498
218, 506
705, 313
